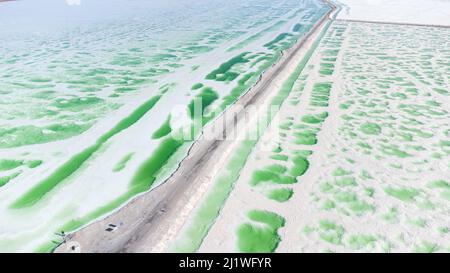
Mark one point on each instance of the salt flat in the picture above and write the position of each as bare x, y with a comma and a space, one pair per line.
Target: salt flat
358, 160
355, 157
431, 12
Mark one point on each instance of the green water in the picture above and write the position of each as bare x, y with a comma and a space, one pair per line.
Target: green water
197, 86
147, 172
163, 130
8, 164
122, 163
280, 195
314, 119
261, 238
403, 193
5, 179
301, 165
273, 44
37, 192
370, 128
331, 232
223, 73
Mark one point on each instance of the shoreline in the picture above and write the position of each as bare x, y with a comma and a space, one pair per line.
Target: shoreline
163, 203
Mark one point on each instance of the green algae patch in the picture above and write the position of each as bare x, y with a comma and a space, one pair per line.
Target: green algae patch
146, 174
280, 195
164, 130
326, 71
403, 194
391, 216
277, 149
421, 223
393, 150
197, 86
38, 191
370, 128
445, 195
271, 174
444, 143
440, 184
368, 191
274, 44
301, 165
328, 205
33, 163
305, 138
76, 104
441, 91
131, 119
345, 197
243, 84
122, 163
261, 238
314, 119
443, 230
331, 232
276, 168
297, 28
9, 164
223, 73
426, 247
360, 207
205, 98
345, 181
340, 172
279, 157
47, 247
320, 94
361, 241
6, 179
325, 187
